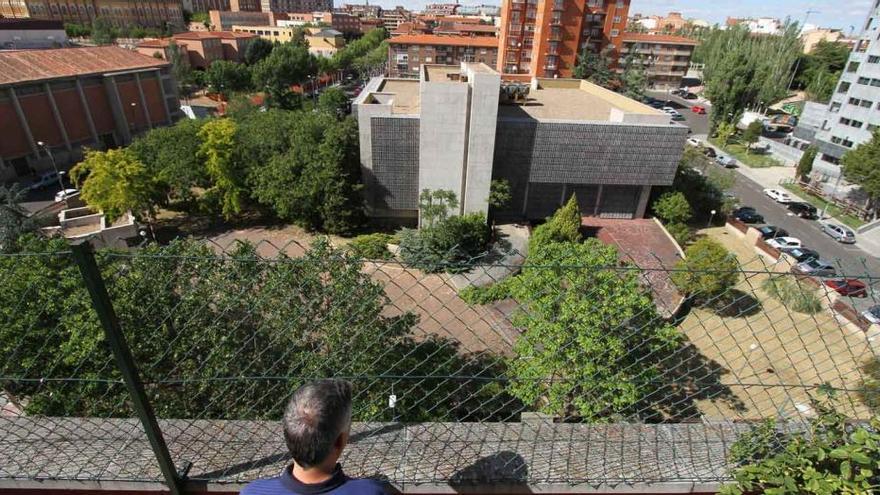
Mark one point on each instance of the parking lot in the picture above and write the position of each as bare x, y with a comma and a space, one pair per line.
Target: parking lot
699, 124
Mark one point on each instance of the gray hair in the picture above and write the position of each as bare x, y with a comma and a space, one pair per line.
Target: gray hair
316, 415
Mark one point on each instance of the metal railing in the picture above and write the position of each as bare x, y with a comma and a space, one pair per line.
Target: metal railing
174, 363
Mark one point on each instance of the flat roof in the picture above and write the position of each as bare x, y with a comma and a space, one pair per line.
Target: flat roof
38, 65
440, 40
441, 73
665, 39
572, 99
405, 99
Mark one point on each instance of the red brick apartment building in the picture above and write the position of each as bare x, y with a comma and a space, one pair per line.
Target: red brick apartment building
73, 97
407, 52
146, 13
202, 47
543, 38
666, 57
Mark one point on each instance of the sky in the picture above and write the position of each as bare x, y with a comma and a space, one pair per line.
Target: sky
839, 14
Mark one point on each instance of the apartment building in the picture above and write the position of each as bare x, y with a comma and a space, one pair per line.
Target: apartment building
324, 42
24, 34
666, 58
223, 21
281, 34
70, 98
543, 38
853, 113
244, 5
147, 13
202, 47
287, 6
205, 5
460, 127
393, 17
406, 53
362, 9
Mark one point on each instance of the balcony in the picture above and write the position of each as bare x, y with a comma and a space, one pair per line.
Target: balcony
558, 6
556, 20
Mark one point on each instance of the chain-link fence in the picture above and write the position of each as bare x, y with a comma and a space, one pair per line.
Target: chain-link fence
174, 363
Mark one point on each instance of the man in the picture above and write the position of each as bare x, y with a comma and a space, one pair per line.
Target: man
317, 424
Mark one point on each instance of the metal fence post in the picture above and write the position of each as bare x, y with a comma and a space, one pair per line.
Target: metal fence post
85, 260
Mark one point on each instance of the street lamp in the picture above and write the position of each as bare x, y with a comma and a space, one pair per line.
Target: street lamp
54, 167
711, 217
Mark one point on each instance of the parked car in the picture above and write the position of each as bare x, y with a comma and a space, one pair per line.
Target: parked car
44, 180
689, 96
848, 287
710, 152
772, 231
65, 194
816, 268
699, 110
801, 254
747, 214
694, 142
760, 148
839, 233
679, 91
677, 116
872, 314
778, 195
725, 161
784, 242
669, 110
803, 210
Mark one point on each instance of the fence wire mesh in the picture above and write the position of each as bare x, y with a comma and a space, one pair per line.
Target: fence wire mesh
571, 373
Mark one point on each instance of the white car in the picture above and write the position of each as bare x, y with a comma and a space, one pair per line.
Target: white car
669, 110
778, 195
872, 314
65, 194
725, 161
694, 142
785, 242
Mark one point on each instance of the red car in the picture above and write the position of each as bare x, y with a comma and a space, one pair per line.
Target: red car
698, 110
848, 287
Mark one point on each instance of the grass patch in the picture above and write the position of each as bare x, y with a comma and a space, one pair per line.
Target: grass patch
791, 293
819, 203
750, 160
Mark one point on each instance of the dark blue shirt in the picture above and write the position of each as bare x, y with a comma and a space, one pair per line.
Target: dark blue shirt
338, 484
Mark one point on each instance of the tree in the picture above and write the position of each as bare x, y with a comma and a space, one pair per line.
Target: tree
435, 206
723, 132
499, 193
595, 68
862, 166
673, 207
334, 101
805, 164
227, 77
14, 221
170, 155
752, 134
563, 226
634, 80
102, 32
592, 344
452, 244
114, 182
217, 149
257, 49
708, 272
180, 68
288, 64
820, 69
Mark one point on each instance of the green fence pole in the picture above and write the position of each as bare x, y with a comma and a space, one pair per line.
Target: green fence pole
85, 259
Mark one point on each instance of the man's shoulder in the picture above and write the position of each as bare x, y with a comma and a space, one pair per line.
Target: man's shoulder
268, 486
361, 486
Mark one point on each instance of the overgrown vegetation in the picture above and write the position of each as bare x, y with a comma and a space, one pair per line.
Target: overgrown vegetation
708, 273
793, 294
14, 221
371, 246
860, 166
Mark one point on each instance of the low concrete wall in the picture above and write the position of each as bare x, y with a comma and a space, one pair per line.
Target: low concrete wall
786, 154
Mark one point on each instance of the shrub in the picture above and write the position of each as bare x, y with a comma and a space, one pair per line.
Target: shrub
563, 226
371, 246
673, 207
485, 295
869, 392
791, 293
452, 244
680, 232
708, 272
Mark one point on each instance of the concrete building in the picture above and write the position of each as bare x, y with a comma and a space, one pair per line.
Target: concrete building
666, 57
280, 34
223, 21
393, 17
459, 127
244, 5
543, 38
202, 47
68, 98
441, 9
24, 34
407, 53
811, 38
324, 42
362, 10
854, 110
205, 5
760, 25
286, 6
148, 13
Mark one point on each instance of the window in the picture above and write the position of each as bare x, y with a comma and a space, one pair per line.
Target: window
873, 59
875, 83
835, 106
845, 121
847, 143
616, 19
615, 32
830, 159
866, 104
843, 88
836, 140
852, 67
864, 80
854, 101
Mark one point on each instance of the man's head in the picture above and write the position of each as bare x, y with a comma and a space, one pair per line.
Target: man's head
317, 422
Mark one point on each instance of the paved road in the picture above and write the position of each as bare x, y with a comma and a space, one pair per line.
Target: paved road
699, 124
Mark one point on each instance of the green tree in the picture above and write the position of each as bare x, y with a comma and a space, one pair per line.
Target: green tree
180, 68
752, 134
862, 166
288, 64
723, 132
499, 193
201, 17
14, 221
372, 60
595, 68
217, 149
592, 344
170, 155
334, 101
102, 32
821, 69
453, 244
436, 206
227, 77
114, 182
257, 49
805, 164
634, 80
708, 272
563, 226
673, 207
346, 57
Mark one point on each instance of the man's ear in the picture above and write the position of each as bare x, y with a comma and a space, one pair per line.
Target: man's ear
341, 440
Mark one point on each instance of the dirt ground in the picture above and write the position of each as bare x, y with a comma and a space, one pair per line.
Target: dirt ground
773, 359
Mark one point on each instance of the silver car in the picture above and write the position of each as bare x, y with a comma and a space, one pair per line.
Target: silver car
839, 233
872, 314
815, 268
